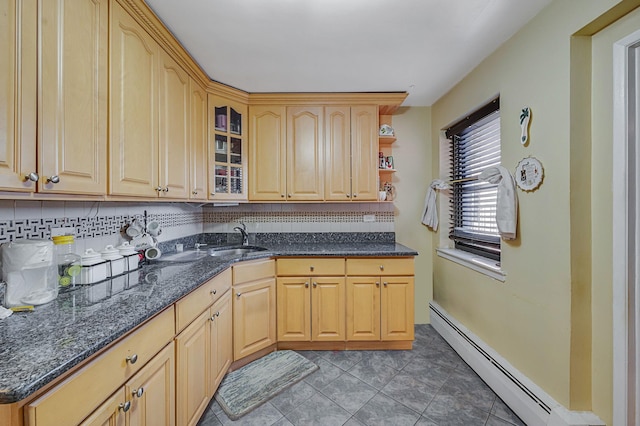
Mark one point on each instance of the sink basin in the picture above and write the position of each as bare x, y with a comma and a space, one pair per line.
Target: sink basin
192, 255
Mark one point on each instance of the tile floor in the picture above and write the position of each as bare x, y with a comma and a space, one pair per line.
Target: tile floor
429, 385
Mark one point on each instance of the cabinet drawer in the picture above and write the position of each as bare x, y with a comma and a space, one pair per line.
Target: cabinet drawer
192, 305
250, 271
79, 395
308, 266
380, 266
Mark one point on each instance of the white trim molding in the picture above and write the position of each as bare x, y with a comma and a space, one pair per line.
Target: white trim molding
625, 246
532, 404
480, 264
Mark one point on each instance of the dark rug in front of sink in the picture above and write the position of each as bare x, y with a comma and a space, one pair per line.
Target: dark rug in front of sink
247, 388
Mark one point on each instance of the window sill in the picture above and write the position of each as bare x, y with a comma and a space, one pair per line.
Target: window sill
477, 263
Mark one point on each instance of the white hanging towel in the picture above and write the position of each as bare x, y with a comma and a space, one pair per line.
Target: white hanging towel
507, 204
430, 215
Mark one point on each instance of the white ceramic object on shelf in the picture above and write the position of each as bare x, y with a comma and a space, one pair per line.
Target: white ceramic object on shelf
386, 130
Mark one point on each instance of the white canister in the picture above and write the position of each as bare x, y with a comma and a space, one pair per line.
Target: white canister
93, 267
130, 254
116, 261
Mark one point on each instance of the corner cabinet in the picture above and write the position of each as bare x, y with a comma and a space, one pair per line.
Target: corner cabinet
198, 149
227, 149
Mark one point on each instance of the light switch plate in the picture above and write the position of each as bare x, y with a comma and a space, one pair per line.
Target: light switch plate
369, 218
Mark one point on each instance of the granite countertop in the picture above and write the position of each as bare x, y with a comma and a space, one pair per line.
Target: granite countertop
37, 347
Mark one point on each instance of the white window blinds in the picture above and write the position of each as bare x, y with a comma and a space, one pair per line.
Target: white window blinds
473, 204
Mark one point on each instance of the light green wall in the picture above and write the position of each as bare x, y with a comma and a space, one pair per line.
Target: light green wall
412, 156
528, 319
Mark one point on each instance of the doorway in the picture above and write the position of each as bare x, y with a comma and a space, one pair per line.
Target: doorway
626, 235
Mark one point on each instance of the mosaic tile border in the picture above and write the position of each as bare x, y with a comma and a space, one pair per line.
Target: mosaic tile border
97, 226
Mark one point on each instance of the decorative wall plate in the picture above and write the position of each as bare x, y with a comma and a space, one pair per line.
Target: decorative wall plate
529, 174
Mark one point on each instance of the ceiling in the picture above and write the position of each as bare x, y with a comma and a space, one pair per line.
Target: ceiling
423, 47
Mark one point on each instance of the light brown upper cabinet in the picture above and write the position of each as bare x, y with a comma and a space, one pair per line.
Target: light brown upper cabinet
267, 153
150, 115
227, 149
198, 154
18, 21
286, 165
351, 153
72, 97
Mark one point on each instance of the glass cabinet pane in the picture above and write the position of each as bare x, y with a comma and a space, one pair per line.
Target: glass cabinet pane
222, 179
236, 151
221, 118
236, 122
236, 180
221, 149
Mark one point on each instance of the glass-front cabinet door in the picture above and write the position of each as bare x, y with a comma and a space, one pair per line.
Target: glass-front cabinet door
228, 161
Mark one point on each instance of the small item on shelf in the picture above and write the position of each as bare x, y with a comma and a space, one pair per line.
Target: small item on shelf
390, 190
389, 162
386, 130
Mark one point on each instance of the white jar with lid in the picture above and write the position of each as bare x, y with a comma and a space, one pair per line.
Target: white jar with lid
93, 267
116, 261
130, 254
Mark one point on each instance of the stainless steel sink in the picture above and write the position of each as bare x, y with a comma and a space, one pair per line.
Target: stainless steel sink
192, 255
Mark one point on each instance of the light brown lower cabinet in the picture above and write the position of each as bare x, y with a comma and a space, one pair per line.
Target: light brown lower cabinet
204, 353
254, 307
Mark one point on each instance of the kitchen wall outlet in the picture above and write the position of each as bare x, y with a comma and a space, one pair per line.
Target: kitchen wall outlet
56, 232
369, 218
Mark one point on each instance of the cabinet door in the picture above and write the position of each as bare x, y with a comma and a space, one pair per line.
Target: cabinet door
267, 155
192, 350
110, 413
198, 150
221, 341
337, 133
294, 309
174, 123
305, 154
328, 308
72, 107
155, 384
364, 152
18, 23
254, 317
133, 114
397, 308
363, 308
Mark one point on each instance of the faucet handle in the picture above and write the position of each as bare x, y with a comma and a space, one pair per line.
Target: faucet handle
244, 227
198, 245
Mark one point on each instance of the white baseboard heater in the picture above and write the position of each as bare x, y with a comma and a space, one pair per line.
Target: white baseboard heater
533, 405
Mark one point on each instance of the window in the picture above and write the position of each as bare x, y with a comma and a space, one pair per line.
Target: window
475, 145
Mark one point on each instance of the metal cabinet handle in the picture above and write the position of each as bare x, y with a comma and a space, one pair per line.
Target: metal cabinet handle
348, 195
194, 192
214, 291
315, 284
166, 189
33, 177
53, 179
138, 392
218, 314
132, 359
124, 406
289, 195
158, 188
355, 195
212, 318
238, 294
311, 268
382, 267
385, 283
377, 284
282, 195
306, 285
212, 194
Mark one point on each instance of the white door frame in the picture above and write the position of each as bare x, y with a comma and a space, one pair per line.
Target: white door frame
626, 247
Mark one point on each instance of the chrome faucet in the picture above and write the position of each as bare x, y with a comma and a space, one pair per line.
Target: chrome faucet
198, 245
243, 230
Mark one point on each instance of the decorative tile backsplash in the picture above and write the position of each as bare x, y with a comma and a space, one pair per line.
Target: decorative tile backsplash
93, 220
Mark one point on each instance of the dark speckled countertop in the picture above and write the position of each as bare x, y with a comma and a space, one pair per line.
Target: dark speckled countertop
37, 347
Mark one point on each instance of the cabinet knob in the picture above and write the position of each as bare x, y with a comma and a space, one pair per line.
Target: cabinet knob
132, 359
311, 268
315, 284
212, 318
282, 195
218, 314
289, 195
238, 294
377, 284
348, 195
53, 179
33, 177
355, 195
385, 283
212, 194
382, 267
194, 192
158, 188
166, 189
138, 392
214, 291
306, 285
124, 406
